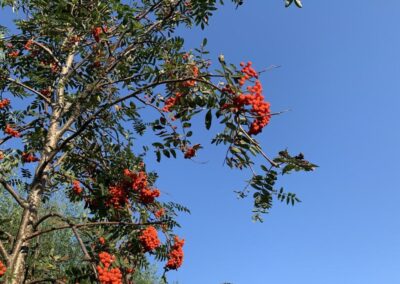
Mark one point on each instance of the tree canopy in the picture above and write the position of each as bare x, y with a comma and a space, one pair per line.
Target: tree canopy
81, 81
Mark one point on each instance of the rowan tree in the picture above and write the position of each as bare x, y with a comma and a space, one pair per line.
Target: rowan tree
81, 80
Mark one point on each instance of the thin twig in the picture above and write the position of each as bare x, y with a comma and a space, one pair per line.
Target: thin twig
281, 112
255, 142
83, 248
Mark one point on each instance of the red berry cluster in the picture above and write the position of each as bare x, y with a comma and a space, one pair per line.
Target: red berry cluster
10, 131
118, 196
248, 73
108, 275
3, 269
1, 155
228, 89
170, 102
254, 98
28, 45
175, 257
148, 195
139, 180
4, 103
195, 73
139, 183
102, 241
14, 54
190, 153
45, 92
29, 158
76, 187
159, 213
96, 32
260, 108
106, 259
186, 56
54, 67
149, 239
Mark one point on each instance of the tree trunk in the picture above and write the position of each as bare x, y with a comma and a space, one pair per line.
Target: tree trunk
29, 217
30, 214
21, 246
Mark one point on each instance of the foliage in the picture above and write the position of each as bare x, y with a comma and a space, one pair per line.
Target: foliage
55, 252
81, 82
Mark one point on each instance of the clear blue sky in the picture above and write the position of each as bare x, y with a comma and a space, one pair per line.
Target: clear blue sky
340, 76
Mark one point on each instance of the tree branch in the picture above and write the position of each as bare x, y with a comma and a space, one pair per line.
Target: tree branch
260, 150
46, 280
48, 50
84, 250
47, 216
106, 106
22, 202
14, 81
76, 233
3, 252
104, 223
9, 236
64, 75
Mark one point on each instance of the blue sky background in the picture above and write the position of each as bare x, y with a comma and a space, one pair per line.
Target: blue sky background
340, 68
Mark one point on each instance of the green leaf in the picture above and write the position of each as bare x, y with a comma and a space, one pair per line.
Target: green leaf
208, 119
288, 3
204, 42
298, 3
166, 153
